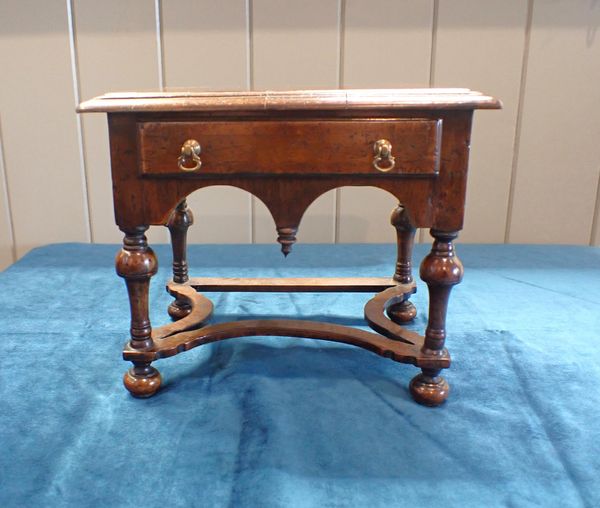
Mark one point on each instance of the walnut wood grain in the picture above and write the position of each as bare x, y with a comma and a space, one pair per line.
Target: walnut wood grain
424, 98
179, 222
287, 149
293, 147
405, 311
294, 284
398, 351
377, 307
433, 202
441, 270
201, 309
395, 342
136, 263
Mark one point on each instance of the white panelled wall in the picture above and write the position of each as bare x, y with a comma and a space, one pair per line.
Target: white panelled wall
535, 165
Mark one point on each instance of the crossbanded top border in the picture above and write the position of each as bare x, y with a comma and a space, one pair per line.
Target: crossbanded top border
376, 99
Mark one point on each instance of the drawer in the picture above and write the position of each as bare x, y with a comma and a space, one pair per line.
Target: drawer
291, 147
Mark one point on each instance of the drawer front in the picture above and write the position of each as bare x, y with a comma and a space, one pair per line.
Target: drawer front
328, 147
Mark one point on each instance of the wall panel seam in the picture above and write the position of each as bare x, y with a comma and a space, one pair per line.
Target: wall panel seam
159, 43
337, 205
8, 208
250, 86
80, 141
340, 84
433, 51
160, 63
421, 237
593, 234
249, 46
519, 122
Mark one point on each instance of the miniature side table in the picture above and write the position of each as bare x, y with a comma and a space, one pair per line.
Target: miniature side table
288, 148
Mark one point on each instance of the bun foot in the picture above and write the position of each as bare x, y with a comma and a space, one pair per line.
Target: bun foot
142, 381
402, 313
429, 390
178, 310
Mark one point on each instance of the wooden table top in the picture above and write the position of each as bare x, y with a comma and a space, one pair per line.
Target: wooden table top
348, 100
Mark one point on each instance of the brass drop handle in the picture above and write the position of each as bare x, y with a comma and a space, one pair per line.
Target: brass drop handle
190, 152
383, 155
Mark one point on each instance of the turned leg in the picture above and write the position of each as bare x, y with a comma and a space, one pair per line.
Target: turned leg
136, 263
179, 222
405, 233
441, 269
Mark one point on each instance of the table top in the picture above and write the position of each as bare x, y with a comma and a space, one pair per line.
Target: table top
206, 101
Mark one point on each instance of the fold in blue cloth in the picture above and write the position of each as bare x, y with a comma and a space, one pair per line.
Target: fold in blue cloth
282, 422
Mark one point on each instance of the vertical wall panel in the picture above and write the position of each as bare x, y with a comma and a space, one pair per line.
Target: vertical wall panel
205, 46
116, 51
39, 128
296, 45
387, 44
559, 154
6, 236
480, 47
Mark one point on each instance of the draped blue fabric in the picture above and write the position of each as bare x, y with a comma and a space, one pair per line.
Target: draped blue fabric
282, 422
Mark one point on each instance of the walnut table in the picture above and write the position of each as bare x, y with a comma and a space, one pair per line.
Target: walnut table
288, 148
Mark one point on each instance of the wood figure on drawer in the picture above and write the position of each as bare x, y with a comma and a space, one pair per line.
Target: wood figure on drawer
288, 148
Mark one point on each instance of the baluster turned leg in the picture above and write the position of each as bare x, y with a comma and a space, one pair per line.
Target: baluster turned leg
179, 222
441, 269
405, 232
136, 263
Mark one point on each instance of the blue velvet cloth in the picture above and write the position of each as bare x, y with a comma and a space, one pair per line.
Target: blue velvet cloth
282, 422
